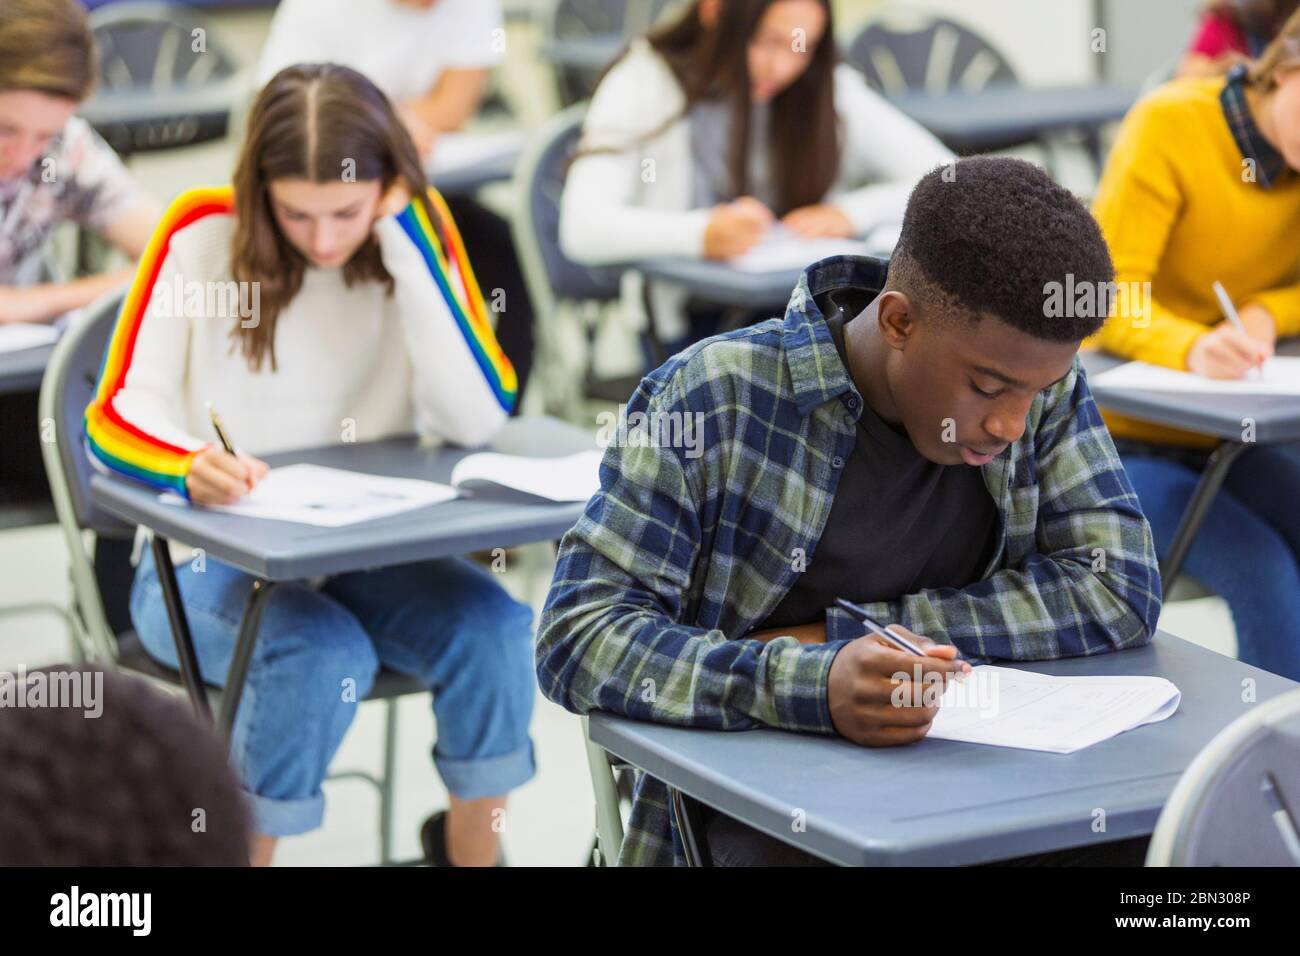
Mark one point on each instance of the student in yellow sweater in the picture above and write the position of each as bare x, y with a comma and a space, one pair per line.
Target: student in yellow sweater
1202, 185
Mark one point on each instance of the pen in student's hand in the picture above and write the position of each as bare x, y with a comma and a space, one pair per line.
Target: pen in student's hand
1230, 311
862, 617
221, 432
221, 435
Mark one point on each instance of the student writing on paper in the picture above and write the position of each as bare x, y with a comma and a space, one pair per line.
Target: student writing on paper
366, 321
1202, 185
432, 59
54, 169
921, 443
727, 119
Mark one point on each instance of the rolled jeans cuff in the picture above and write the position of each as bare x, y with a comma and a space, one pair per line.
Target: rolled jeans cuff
282, 818
474, 777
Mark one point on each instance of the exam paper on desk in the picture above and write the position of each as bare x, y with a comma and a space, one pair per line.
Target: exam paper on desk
1007, 707
17, 336
329, 497
1280, 375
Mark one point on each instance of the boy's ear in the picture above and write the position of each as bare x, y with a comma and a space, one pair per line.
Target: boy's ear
896, 317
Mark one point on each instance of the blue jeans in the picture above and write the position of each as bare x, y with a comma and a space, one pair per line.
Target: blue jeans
447, 623
1247, 550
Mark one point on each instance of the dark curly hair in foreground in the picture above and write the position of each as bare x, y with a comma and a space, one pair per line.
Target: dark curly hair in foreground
120, 789
988, 235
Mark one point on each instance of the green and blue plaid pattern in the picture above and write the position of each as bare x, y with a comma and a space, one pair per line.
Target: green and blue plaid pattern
681, 554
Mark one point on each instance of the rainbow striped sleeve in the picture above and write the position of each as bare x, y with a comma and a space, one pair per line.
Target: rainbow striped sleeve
110, 438
469, 312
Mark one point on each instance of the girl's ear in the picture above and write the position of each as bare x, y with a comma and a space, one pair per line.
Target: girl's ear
708, 12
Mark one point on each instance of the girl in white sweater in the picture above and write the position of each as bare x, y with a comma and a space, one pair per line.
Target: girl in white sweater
723, 122
327, 297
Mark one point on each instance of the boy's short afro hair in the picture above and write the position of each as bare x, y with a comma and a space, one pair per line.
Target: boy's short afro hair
989, 235
144, 783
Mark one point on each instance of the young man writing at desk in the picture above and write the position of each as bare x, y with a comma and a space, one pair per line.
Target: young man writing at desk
922, 443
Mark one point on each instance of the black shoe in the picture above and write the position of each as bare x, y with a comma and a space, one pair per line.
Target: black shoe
433, 838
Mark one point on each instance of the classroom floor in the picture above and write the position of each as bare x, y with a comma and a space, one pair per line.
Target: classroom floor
550, 820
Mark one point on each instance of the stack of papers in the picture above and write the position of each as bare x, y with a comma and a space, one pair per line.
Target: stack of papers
1280, 375
329, 497
17, 336
571, 478
1006, 707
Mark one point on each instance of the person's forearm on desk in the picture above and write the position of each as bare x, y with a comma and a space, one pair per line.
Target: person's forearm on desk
1091, 586
448, 106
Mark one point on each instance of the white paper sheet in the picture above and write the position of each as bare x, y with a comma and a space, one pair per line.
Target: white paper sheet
570, 478
1280, 375
782, 248
462, 150
329, 497
1006, 707
16, 336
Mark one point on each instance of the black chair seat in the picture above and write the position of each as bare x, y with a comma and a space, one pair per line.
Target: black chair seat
133, 656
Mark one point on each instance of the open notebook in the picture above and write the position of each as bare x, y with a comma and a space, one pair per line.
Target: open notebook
332, 497
1006, 707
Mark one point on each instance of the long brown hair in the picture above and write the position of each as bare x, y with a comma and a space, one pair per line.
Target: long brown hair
1283, 53
46, 46
804, 134
323, 123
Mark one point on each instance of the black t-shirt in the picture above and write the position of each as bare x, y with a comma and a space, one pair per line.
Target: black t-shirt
899, 523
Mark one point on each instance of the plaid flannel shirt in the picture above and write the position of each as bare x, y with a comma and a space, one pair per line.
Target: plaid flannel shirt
679, 555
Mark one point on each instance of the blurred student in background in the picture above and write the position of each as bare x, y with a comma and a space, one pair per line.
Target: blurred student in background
721, 123
368, 322
432, 59
1193, 159
53, 169
1232, 32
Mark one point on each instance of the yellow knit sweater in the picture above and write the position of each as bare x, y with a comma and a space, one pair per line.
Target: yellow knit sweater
1178, 208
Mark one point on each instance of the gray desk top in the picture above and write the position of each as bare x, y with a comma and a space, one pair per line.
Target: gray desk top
997, 116
1276, 417
279, 550
22, 371
722, 284
940, 802
464, 180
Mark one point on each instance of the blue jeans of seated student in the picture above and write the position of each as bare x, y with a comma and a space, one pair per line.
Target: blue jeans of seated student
1248, 548
447, 623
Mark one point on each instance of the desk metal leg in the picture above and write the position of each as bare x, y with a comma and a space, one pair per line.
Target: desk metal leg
185, 656
247, 639
1216, 470
690, 824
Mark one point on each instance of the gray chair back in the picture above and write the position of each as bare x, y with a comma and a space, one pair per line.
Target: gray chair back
907, 51
66, 390
1238, 803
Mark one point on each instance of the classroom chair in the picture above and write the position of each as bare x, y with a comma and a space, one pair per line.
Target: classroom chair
1238, 802
580, 37
568, 298
156, 90
66, 390
900, 51
906, 51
